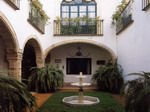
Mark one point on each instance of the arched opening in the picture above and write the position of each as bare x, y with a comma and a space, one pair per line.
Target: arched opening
77, 56
9, 49
29, 61
32, 57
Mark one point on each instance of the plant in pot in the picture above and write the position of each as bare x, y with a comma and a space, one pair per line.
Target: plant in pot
14, 96
109, 77
45, 79
138, 93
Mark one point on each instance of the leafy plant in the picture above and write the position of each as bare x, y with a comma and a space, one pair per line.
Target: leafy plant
14, 96
119, 10
35, 4
79, 25
109, 77
45, 79
138, 93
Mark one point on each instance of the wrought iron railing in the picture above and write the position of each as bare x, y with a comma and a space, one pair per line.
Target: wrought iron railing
145, 4
125, 18
14, 3
70, 27
37, 22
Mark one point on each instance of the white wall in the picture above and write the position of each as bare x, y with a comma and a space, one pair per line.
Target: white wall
23, 29
134, 42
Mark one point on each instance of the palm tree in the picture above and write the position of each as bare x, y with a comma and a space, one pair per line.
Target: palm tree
109, 77
138, 93
14, 96
45, 79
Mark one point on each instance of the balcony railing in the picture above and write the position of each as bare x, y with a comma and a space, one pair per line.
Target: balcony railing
72, 28
14, 3
125, 18
145, 4
37, 22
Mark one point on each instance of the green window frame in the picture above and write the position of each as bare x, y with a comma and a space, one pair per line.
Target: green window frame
78, 8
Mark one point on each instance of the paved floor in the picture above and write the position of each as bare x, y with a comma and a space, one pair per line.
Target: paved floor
41, 98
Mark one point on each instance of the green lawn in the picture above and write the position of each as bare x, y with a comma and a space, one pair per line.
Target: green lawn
107, 103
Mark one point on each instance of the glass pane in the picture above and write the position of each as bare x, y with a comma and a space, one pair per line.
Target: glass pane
82, 8
91, 15
74, 8
65, 8
74, 15
91, 8
78, 1
82, 14
65, 15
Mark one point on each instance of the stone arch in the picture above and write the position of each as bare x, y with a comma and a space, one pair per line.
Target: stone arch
12, 50
32, 56
12, 42
33, 40
110, 51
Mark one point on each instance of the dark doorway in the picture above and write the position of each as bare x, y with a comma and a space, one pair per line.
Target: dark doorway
29, 60
77, 65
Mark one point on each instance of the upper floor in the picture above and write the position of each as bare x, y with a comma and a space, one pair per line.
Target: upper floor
78, 19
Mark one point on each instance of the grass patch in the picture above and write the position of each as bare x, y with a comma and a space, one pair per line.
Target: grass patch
107, 103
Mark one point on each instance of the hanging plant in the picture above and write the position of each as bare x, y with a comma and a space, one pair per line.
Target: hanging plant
37, 4
58, 19
118, 11
44, 15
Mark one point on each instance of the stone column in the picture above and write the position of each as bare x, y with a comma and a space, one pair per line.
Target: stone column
14, 67
40, 63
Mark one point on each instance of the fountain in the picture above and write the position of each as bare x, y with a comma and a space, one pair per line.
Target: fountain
80, 100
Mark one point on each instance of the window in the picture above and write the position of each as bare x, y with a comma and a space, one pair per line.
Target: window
78, 17
77, 65
78, 8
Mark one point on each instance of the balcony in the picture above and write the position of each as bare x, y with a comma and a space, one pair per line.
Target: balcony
145, 4
37, 22
37, 16
70, 27
125, 18
14, 3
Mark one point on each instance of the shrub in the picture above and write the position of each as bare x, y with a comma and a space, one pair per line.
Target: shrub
109, 77
45, 79
14, 96
138, 93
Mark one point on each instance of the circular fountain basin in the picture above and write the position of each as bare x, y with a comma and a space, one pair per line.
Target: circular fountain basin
74, 101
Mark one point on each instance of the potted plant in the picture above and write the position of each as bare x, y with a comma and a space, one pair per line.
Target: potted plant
14, 96
45, 79
138, 93
109, 77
